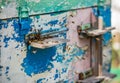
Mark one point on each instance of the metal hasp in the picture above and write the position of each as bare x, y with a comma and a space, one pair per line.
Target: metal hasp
45, 39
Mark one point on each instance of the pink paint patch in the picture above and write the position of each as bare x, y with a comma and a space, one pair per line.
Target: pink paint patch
82, 16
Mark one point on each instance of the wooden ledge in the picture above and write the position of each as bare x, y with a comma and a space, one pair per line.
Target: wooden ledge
48, 43
98, 32
97, 79
92, 79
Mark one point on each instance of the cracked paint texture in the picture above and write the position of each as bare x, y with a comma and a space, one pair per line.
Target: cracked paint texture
58, 64
43, 6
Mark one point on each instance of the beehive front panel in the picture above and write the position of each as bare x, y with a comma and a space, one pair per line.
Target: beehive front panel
61, 63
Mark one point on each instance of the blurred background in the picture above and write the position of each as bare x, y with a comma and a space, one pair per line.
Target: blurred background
116, 40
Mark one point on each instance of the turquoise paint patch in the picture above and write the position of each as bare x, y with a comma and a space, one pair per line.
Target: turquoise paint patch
46, 6
78, 51
59, 58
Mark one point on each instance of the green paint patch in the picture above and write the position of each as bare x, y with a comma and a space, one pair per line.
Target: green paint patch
86, 26
117, 72
46, 6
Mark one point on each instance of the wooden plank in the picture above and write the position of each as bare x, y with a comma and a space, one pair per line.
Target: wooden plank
100, 22
48, 43
91, 52
92, 79
98, 32
99, 55
110, 75
96, 59
97, 79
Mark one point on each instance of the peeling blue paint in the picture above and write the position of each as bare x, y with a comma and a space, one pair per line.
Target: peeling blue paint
109, 65
78, 51
56, 75
107, 16
4, 24
106, 13
38, 62
53, 22
107, 23
7, 70
16, 25
6, 41
1, 70
107, 37
55, 29
17, 46
1, 67
25, 25
63, 22
8, 78
17, 29
0, 24
18, 38
40, 80
66, 81
59, 58
64, 70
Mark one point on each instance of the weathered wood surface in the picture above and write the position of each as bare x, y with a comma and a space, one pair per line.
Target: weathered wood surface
98, 32
48, 43
98, 79
92, 79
